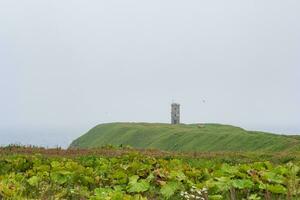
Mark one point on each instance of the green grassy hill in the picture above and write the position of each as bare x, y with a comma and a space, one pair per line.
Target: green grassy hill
193, 137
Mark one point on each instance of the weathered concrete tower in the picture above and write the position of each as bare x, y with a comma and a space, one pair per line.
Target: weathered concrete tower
175, 113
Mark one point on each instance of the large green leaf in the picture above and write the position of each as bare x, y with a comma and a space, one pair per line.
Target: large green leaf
137, 186
242, 184
277, 189
223, 183
177, 175
273, 177
33, 181
169, 189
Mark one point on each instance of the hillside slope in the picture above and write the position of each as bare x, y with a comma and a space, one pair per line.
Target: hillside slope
205, 137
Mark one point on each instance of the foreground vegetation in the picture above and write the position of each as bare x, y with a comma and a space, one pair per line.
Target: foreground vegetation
193, 137
99, 174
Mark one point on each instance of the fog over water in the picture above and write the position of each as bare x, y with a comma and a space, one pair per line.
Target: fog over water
66, 66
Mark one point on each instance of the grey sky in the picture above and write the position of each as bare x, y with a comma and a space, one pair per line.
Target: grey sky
66, 66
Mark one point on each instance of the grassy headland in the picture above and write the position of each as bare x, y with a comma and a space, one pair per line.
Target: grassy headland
192, 137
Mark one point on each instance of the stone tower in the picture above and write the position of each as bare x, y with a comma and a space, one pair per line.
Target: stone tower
175, 113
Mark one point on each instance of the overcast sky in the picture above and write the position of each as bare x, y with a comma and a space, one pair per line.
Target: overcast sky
66, 66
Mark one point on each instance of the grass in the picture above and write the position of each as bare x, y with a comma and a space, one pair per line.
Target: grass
193, 137
194, 158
